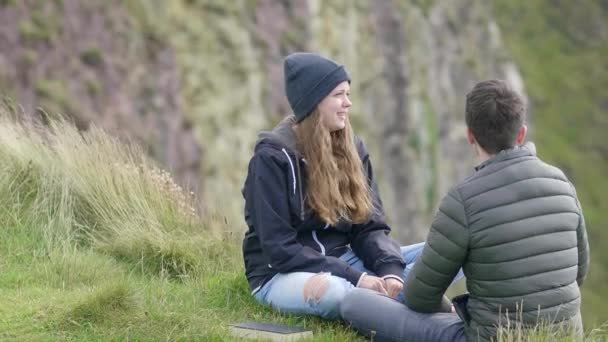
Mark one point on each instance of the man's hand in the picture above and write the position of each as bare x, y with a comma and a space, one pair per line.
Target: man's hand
393, 287
373, 283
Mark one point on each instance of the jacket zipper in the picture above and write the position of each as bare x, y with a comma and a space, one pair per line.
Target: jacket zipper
314, 236
293, 174
299, 178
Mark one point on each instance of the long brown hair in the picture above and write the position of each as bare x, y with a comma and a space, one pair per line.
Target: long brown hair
337, 185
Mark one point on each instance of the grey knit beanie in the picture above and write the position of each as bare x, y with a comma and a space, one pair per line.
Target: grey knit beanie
309, 77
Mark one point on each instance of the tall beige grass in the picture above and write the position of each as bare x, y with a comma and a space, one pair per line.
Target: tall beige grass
91, 189
545, 332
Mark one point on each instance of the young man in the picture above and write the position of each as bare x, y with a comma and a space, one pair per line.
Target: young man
515, 227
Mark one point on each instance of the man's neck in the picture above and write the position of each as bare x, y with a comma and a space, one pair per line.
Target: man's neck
482, 155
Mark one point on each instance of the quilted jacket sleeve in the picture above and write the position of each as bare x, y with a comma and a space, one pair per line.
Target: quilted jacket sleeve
583, 246
442, 257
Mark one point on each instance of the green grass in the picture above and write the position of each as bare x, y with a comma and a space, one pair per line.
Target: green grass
98, 244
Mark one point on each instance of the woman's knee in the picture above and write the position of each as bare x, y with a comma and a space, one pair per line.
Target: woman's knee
324, 293
411, 253
414, 249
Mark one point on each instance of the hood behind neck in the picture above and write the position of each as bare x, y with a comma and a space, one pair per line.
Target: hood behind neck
281, 136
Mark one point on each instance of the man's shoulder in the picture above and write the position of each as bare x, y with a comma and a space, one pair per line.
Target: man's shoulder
552, 169
517, 169
530, 169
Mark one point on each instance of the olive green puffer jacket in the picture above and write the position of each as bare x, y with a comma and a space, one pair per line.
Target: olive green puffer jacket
517, 230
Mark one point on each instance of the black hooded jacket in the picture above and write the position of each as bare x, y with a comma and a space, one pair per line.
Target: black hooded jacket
285, 235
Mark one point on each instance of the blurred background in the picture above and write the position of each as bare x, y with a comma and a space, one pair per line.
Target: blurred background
194, 81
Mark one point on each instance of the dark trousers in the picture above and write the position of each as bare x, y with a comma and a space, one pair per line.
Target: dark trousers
385, 319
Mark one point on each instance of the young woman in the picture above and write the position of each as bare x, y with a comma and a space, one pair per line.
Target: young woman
315, 221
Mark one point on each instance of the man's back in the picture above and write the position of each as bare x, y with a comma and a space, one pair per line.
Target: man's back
523, 260
517, 229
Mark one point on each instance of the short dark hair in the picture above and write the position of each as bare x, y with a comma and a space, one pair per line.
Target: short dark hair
495, 113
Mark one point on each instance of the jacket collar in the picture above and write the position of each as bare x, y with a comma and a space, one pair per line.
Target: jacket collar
527, 149
281, 136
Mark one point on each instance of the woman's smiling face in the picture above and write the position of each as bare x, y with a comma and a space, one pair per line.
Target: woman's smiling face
335, 106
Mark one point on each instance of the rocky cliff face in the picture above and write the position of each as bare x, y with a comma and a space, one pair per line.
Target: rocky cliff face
94, 62
129, 66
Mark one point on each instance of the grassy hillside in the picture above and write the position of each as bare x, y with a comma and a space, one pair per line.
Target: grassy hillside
561, 48
99, 244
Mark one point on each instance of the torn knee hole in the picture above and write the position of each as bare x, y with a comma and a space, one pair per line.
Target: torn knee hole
316, 287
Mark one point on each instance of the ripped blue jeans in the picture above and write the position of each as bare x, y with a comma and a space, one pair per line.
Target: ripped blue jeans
286, 292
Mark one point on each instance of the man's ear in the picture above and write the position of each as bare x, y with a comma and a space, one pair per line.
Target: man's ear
522, 134
470, 137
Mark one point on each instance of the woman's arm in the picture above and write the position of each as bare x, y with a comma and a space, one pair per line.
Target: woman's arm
268, 191
371, 241
443, 255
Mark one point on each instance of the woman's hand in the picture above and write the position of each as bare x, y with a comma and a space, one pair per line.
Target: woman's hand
373, 283
393, 287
